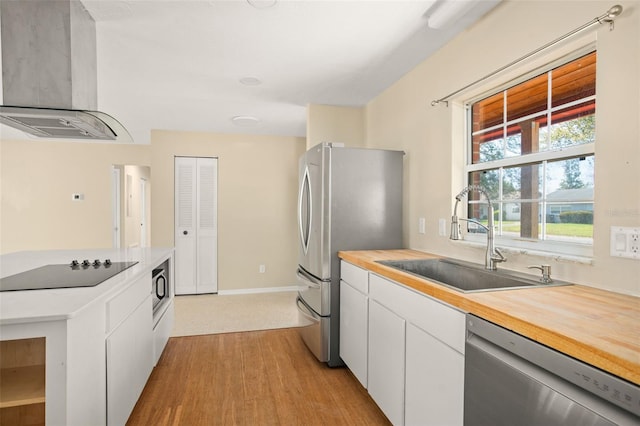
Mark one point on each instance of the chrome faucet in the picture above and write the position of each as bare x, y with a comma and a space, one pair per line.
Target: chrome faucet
492, 255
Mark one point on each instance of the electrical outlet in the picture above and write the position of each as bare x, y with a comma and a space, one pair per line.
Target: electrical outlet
262, 269
634, 245
625, 242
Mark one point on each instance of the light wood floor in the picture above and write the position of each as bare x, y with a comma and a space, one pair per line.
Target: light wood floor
250, 378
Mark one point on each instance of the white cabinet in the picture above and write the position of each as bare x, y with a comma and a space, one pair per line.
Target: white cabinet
129, 348
434, 381
413, 352
416, 354
386, 361
94, 345
354, 313
162, 332
196, 225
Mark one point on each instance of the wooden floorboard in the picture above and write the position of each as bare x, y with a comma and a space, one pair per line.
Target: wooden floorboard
251, 378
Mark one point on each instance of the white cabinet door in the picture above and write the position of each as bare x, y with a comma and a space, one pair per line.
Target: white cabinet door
185, 225
162, 332
353, 330
432, 359
196, 225
434, 381
129, 362
386, 361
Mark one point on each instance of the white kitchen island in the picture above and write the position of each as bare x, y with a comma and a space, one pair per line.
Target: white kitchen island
100, 343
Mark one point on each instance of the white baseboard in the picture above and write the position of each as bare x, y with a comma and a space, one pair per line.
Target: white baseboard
261, 290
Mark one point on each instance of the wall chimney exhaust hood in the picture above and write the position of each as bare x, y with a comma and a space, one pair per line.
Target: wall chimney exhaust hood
49, 72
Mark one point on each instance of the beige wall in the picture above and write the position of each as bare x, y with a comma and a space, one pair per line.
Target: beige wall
258, 181
433, 139
257, 198
328, 123
37, 179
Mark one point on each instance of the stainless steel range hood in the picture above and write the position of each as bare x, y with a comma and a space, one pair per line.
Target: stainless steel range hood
49, 72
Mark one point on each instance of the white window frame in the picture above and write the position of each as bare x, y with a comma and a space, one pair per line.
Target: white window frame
545, 248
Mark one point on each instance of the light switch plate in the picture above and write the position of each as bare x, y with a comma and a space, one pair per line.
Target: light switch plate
421, 225
625, 242
442, 227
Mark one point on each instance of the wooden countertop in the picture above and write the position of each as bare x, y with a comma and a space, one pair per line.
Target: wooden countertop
599, 327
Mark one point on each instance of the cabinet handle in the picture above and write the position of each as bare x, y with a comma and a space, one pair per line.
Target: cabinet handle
185, 232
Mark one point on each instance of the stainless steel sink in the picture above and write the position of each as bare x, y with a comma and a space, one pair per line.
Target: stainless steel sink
467, 277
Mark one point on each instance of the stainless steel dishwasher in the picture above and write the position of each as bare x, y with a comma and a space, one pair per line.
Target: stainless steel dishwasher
512, 380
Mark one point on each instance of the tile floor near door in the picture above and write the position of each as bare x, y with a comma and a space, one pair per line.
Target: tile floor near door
213, 313
218, 373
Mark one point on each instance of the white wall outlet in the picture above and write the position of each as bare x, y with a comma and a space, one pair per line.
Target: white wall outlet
262, 269
421, 225
442, 227
625, 242
634, 244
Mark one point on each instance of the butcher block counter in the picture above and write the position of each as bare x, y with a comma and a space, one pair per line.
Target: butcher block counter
598, 327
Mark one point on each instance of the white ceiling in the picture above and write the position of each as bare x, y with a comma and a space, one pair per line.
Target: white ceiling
178, 64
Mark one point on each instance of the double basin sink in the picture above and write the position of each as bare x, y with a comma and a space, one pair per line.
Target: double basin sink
466, 277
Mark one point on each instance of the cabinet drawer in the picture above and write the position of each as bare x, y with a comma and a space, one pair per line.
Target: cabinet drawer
162, 332
442, 321
126, 302
357, 278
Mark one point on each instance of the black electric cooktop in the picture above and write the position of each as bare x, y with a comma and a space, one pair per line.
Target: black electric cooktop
75, 274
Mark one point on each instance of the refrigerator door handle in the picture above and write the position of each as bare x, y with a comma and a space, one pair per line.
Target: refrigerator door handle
304, 206
306, 281
305, 311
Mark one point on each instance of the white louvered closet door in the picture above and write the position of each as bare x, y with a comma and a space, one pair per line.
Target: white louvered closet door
196, 225
207, 226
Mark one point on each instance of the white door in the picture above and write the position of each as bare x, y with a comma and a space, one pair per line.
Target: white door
143, 213
196, 225
207, 226
115, 205
185, 225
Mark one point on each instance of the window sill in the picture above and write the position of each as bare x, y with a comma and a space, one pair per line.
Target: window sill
559, 257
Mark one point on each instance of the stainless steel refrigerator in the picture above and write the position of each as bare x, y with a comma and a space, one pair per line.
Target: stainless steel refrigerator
348, 199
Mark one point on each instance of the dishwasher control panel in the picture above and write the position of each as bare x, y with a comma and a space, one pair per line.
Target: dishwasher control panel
607, 387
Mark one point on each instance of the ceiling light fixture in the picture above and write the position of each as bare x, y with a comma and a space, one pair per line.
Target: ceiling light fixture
245, 120
250, 81
262, 4
447, 12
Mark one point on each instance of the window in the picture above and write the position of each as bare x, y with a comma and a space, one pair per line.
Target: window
532, 147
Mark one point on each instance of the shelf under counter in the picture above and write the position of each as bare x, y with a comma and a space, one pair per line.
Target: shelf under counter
22, 381
22, 386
